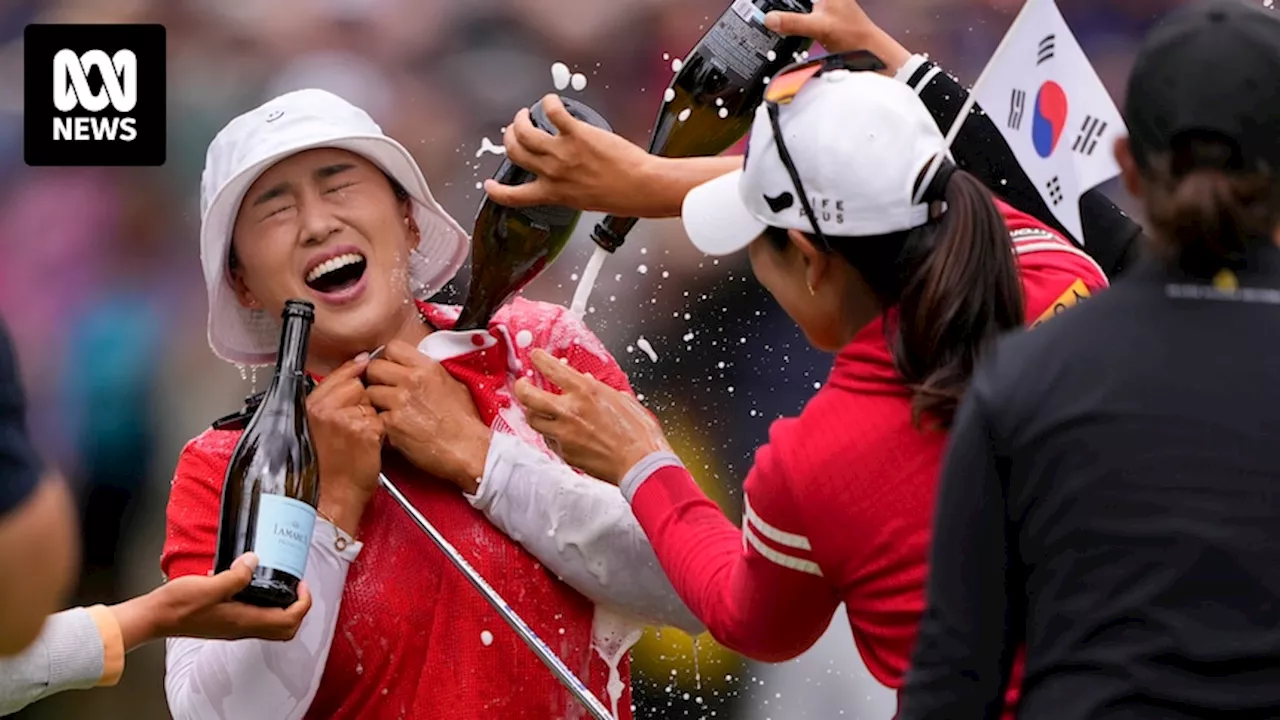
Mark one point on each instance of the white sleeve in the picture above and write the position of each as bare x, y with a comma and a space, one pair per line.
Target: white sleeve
67, 655
581, 528
252, 679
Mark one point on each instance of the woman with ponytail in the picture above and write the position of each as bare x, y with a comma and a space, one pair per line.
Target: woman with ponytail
1109, 502
883, 252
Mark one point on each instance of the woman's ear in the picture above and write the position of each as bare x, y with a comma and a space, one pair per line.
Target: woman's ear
1129, 173
816, 262
412, 233
243, 294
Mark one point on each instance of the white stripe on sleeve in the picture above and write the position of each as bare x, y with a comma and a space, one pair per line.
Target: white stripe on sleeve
781, 537
778, 558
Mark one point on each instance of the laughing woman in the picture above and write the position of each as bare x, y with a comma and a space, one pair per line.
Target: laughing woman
305, 197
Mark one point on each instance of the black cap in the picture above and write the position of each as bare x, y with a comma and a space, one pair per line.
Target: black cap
1213, 68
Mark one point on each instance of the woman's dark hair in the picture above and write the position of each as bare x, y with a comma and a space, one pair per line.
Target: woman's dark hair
954, 283
1206, 207
396, 188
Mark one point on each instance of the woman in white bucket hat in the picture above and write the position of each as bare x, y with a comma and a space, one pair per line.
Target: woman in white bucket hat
305, 197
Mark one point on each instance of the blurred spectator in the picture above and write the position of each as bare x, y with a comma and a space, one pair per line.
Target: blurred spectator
114, 344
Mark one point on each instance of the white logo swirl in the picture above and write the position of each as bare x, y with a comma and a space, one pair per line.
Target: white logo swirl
71, 80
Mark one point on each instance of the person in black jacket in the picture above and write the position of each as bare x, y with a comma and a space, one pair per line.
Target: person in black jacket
1110, 504
592, 169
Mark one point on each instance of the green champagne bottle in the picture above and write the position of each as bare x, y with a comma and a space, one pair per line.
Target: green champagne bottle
273, 482
713, 98
512, 246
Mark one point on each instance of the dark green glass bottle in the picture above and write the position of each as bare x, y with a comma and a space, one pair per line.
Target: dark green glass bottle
512, 246
273, 482
713, 98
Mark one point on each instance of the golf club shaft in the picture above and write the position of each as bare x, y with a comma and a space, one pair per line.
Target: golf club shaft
535, 643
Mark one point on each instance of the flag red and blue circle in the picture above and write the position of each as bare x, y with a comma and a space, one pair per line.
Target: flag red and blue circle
1049, 118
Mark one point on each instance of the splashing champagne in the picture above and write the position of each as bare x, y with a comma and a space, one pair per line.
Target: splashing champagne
512, 246
714, 96
273, 482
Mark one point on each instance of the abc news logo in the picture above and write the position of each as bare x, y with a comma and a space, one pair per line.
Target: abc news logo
71, 90
95, 95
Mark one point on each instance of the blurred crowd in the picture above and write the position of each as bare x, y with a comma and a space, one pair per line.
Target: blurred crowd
100, 283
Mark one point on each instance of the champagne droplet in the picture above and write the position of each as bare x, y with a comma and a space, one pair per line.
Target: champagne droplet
488, 147
578, 82
676, 64
643, 343
669, 95
560, 75
772, 56
724, 113
684, 114
486, 638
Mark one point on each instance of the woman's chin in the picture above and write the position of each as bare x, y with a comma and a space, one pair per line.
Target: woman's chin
350, 331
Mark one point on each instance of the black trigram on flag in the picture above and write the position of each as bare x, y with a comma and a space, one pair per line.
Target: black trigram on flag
1045, 52
1055, 190
1087, 141
1017, 103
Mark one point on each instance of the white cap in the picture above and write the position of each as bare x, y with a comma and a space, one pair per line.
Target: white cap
859, 142
256, 140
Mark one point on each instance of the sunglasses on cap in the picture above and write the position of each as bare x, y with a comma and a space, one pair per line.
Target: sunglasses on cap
784, 87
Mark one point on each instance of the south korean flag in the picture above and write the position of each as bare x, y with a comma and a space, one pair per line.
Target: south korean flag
1052, 109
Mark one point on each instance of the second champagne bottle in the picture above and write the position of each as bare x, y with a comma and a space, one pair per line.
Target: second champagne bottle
713, 98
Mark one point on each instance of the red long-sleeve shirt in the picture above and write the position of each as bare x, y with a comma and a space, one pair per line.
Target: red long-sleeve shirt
839, 502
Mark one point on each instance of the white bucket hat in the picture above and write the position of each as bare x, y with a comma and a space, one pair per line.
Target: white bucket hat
256, 140
858, 140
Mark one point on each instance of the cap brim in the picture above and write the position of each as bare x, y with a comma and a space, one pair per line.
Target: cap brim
715, 218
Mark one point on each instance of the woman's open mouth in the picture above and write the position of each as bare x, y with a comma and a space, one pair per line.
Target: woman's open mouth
337, 274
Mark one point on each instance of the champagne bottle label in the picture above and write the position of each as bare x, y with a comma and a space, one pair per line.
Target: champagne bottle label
741, 41
284, 533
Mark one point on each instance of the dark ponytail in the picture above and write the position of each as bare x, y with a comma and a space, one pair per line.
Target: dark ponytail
1206, 208
956, 288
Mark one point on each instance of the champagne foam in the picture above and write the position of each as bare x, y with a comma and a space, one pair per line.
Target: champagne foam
560, 75
589, 274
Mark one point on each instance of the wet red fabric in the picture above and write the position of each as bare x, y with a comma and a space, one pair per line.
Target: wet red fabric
408, 639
